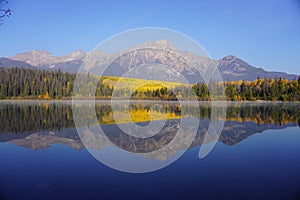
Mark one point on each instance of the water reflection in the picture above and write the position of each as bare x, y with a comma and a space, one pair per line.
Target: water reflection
38, 125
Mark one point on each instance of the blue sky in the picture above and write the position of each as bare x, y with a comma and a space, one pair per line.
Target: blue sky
263, 33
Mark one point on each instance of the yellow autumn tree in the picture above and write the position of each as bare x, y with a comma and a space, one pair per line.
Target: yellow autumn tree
47, 96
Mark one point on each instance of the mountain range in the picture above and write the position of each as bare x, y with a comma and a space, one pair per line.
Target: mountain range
230, 67
233, 133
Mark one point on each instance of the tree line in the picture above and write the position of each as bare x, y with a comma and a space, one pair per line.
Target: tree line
35, 83
268, 89
24, 83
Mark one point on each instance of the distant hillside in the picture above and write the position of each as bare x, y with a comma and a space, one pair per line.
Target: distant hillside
6, 62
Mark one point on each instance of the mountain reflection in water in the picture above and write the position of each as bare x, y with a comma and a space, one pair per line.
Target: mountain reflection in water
39, 124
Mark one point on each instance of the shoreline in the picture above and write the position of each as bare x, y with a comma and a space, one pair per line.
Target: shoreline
137, 100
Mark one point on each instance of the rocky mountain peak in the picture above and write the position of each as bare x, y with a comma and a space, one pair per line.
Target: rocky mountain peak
34, 57
229, 57
76, 55
159, 44
38, 51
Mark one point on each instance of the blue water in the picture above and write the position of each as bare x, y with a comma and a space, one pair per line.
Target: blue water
263, 166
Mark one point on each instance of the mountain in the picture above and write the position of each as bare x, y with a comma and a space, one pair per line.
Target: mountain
40, 58
233, 69
230, 67
45, 60
6, 62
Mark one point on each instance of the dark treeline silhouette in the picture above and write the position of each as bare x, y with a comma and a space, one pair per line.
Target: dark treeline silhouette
34, 83
21, 83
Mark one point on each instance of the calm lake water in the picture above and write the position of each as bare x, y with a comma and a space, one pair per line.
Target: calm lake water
257, 156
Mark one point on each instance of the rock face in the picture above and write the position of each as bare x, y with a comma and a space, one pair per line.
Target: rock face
38, 141
231, 68
41, 58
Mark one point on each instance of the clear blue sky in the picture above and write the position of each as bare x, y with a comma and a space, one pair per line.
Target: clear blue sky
264, 33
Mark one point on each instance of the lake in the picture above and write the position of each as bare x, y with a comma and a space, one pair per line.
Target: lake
257, 155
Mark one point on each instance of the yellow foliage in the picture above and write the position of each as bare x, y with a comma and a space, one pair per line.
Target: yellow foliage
46, 106
138, 115
141, 85
46, 96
